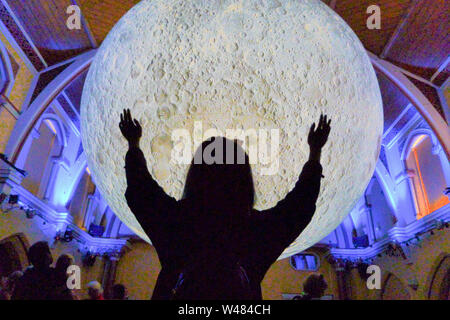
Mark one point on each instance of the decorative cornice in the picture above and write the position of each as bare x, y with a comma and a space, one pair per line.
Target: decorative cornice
396, 235
62, 220
94, 245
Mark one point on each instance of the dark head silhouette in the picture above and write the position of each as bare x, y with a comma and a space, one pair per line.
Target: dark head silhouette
220, 177
315, 285
39, 255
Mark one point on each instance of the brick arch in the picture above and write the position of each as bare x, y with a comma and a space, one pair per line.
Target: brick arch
438, 282
13, 252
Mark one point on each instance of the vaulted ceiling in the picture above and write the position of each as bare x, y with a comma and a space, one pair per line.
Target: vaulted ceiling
414, 35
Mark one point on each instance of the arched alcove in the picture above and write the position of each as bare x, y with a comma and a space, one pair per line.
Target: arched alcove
394, 289
13, 253
423, 162
79, 201
439, 284
43, 148
383, 218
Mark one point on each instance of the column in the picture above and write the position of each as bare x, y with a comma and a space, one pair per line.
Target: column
109, 273
438, 150
367, 212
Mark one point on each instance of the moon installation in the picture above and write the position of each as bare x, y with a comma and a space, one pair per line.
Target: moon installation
263, 66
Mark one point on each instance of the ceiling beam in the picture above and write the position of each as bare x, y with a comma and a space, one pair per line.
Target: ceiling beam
29, 117
69, 101
24, 32
441, 68
417, 98
86, 26
399, 28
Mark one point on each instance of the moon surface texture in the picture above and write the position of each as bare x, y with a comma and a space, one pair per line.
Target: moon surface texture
253, 65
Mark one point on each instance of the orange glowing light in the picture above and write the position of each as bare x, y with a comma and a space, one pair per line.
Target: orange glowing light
427, 205
51, 126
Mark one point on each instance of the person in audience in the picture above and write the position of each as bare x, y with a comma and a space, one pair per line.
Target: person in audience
212, 244
8, 284
313, 288
62, 291
95, 291
119, 292
4, 295
38, 281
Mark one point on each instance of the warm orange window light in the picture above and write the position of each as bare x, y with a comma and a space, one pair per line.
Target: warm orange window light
422, 185
424, 205
51, 126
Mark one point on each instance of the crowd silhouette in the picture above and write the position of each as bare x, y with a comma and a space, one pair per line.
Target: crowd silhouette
41, 281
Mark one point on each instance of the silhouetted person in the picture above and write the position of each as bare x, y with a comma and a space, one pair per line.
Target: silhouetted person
61, 291
119, 292
95, 291
8, 285
313, 288
212, 244
38, 281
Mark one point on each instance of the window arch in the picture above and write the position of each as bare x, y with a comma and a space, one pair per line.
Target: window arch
79, 201
305, 261
439, 282
422, 161
45, 144
13, 251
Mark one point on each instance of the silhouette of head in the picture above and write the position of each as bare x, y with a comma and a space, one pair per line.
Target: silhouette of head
13, 279
64, 261
315, 285
119, 292
220, 177
95, 290
39, 255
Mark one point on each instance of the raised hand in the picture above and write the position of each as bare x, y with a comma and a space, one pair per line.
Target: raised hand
318, 137
130, 128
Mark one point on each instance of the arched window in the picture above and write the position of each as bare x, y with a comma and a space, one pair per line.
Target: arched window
428, 179
440, 283
305, 262
383, 219
13, 251
79, 202
44, 146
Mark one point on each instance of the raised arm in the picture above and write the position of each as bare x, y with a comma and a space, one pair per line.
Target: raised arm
146, 199
278, 227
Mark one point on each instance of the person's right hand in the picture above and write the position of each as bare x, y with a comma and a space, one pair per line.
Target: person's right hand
318, 137
130, 128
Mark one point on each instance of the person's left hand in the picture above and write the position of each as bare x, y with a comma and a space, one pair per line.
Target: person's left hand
131, 129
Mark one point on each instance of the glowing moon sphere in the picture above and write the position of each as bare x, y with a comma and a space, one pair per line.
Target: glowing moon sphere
253, 64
